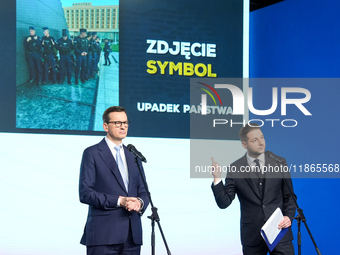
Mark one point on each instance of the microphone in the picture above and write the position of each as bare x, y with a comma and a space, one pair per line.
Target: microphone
283, 161
275, 157
136, 153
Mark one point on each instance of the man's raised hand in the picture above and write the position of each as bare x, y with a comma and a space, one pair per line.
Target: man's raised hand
216, 171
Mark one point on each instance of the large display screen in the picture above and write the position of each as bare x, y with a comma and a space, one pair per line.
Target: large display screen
155, 48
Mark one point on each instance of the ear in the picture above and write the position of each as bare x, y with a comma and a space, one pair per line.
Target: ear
244, 144
106, 127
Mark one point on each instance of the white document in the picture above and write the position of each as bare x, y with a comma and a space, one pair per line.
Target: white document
270, 228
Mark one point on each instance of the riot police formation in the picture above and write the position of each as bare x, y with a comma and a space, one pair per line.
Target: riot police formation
80, 49
48, 44
41, 54
107, 50
65, 46
32, 45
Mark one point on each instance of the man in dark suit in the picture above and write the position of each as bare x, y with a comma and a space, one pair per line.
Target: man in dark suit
259, 193
111, 185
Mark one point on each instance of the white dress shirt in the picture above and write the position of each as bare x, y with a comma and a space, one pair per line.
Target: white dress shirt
253, 164
112, 146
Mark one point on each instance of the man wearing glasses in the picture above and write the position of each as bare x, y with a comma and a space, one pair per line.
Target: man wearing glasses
111, 185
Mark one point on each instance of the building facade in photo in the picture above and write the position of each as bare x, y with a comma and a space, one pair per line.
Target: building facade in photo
101, 19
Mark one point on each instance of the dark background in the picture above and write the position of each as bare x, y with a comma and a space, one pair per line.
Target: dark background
218, 22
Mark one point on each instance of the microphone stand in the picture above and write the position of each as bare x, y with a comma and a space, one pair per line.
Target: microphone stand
300, 217
154, 216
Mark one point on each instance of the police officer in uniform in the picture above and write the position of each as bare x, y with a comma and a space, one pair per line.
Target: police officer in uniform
65, 46
107, 50
80, 49
94, 67
89, 56
48, 43
99, 50
32, 45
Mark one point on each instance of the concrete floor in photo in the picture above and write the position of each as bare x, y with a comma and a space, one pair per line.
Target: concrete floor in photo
69, 107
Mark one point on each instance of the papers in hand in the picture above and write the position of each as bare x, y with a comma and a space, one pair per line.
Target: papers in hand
270, 231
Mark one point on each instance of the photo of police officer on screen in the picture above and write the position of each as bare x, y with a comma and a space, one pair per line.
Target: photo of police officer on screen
48, 45
94, 63
107, 50
32, 44
80, 50
65, 46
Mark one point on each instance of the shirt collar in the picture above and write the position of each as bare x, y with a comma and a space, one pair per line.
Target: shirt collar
260, 158
111, 144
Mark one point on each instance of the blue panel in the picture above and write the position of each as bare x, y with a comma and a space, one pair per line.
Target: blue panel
301, 39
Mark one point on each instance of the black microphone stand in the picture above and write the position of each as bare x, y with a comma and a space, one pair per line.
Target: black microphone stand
300, 217
154, 216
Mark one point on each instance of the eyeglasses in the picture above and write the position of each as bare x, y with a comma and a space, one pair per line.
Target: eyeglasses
120, 123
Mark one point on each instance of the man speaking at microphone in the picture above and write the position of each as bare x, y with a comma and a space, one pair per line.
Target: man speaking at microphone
259, 193
110, 183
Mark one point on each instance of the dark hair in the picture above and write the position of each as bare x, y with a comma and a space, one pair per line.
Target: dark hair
106, 117
246, 129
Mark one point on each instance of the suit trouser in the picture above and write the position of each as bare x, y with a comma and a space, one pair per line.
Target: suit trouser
127, 248
283, 248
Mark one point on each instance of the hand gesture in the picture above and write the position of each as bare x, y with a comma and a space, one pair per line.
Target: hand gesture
130, 203
216, 171
29, 39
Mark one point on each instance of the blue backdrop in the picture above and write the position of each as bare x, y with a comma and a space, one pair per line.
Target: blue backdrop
300, 39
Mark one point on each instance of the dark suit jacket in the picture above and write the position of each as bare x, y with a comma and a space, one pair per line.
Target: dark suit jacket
100, 185
255, 210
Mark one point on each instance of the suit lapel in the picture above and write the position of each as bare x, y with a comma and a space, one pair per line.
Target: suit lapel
130, 161
106, 155
250, 177
268, 176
